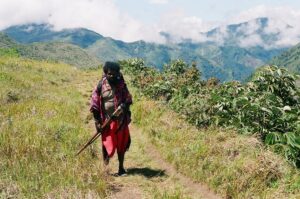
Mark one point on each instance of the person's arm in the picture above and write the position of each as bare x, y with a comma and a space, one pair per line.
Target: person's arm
96, 115
96, 107
128, 97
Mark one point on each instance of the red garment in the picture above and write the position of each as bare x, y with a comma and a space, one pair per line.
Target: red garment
113, 140
117, 135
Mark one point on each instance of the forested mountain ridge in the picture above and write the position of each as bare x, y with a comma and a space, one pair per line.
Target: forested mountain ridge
53, 51
228, 60
290, 59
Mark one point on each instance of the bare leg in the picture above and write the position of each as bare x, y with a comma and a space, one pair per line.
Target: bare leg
121, 164
105, 156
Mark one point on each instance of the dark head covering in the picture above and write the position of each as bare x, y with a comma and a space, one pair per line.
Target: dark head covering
112, 66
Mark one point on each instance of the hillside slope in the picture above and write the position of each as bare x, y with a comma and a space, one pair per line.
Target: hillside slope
31, 33
60, 52
289, 59
41, 128
231, 164
213, 153
6, 42
44, 120
52, 51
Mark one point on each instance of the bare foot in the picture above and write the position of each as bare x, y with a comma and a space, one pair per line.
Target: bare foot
122, 172
106, 161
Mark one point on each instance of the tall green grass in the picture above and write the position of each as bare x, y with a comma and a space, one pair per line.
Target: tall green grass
41, 128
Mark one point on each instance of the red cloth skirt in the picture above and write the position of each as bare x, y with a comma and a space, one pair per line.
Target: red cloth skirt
114, 138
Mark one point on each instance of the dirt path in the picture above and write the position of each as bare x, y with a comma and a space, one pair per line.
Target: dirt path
192, 189
149, 175
146, 167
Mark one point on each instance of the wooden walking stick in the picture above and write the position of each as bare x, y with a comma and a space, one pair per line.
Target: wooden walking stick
97, 134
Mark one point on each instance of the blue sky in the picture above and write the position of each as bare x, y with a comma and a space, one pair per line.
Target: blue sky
132, 20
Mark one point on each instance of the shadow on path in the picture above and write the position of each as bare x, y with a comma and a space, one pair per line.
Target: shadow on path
147, 172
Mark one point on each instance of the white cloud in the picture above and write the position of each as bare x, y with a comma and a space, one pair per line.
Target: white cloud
102, 16
180, 26
283, 22
250, 28
251, 40
158, 1
220, 36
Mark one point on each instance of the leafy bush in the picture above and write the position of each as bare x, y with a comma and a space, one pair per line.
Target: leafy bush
268, 105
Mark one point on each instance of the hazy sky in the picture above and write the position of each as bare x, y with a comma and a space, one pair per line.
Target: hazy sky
209, 10
132, 20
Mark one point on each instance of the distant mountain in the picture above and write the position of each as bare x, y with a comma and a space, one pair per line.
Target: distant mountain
59, 51
30, 33
54, 51
6, 42
7, 46
289, 59
236, 34
235, 58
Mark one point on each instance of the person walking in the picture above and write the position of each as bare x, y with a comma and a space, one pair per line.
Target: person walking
111, 93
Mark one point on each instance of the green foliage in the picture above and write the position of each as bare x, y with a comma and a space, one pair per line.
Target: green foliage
175, 78
268, 105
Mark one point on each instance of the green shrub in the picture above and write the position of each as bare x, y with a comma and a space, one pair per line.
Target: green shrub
268, 105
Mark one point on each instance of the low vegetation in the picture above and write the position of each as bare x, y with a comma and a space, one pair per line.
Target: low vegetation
268, 105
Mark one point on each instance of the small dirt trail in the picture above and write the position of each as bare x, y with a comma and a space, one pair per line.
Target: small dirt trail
192, 189
148, 174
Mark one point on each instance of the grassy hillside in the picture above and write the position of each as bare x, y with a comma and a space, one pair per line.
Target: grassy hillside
6, 42
31, 33
60, 52
42, 116
41, 129
7, 46
289, 59
53, 51
233, 165
234, 122
107, 50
